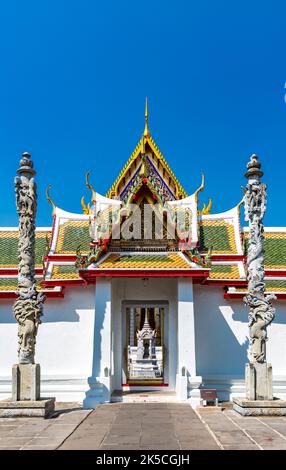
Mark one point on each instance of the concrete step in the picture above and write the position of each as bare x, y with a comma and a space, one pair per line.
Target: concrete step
152, 396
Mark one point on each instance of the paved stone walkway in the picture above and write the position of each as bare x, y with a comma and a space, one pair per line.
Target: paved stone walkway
40, 433
140, 426
235, 432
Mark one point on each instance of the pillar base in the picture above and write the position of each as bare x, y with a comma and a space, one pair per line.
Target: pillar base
258, 381
26, 380
246, 407
99, 392
26, 394
42, 408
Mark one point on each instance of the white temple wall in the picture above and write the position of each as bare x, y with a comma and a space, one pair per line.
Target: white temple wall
65, 339
8, 338
64, 346
221, 342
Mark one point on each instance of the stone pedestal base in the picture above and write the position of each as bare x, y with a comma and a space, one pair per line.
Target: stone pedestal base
146, 368
273, 407
99, 392
26, 380
28, 408
26, 401
258, 381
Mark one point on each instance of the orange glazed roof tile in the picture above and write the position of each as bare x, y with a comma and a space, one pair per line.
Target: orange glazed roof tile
144, 261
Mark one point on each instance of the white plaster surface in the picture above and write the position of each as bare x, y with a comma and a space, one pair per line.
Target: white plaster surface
221, 342
64, 342
186, 327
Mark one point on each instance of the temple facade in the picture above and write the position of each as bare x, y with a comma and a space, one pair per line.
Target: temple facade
144, 292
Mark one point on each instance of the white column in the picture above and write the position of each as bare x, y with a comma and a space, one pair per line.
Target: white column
187, 380
100, 381
132, 326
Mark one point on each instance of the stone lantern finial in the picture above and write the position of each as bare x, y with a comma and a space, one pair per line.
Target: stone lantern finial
26, 165
254, 168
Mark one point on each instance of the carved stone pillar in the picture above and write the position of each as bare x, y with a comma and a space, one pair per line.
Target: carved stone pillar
28, 306
258, 373
261, 311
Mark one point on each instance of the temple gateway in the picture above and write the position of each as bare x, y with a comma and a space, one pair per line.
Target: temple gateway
144, 292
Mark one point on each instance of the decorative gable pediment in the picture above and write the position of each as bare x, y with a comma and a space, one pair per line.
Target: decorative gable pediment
160, 172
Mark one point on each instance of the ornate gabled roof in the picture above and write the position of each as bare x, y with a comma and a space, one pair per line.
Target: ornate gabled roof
221, 232
73, 229
146, 177
71, 235
69, 232
146, 146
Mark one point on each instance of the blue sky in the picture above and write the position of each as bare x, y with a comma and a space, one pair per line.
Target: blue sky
73, 81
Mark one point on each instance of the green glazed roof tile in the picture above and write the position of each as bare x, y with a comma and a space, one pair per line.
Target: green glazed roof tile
71, 235
274, 249
9, 248
218, 235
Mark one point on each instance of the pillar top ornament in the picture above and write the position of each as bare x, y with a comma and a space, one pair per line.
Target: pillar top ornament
254, 168
26, 166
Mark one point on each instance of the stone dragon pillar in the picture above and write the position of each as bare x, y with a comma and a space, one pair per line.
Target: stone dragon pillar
258, 399
26, 399
258, 373
261, 311
29, 304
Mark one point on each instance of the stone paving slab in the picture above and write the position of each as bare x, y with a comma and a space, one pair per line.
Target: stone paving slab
148, 426
236, 432
28, 433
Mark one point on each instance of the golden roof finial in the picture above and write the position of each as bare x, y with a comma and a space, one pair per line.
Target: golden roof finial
50, 200
89, 186
201, 188
206, 208
240, 204
85, 208
146, 132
